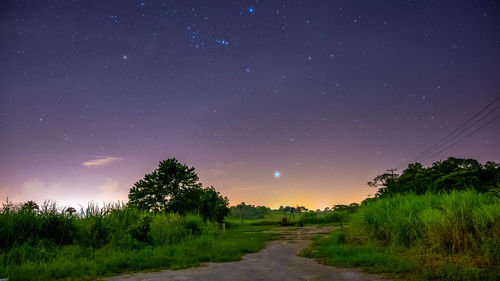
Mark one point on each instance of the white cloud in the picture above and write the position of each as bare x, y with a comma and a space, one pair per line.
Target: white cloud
101, 161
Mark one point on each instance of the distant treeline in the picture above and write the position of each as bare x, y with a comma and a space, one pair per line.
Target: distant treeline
251, 212
450, 174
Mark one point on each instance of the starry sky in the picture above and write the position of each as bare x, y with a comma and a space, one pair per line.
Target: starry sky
274, 102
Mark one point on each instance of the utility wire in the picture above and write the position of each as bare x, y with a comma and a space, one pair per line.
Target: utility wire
462, 139
458, 134
453, 134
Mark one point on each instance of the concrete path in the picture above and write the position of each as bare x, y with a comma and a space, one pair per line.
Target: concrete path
278, 261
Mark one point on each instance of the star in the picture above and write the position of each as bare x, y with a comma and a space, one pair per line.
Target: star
125, 57
277, 174
222, 42
250, 10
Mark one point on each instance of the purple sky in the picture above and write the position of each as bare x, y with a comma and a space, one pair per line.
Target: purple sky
329, 93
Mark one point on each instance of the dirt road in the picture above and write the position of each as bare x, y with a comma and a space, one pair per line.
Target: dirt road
278, 261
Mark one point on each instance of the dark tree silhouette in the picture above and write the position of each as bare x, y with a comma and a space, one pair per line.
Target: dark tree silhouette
174, 187
213, 206
450, 174
161, 189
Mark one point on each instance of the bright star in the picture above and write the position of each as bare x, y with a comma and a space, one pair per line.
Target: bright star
125, 57
222, 42
250, 10
277, 174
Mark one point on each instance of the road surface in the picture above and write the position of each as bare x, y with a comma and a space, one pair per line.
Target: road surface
278, 261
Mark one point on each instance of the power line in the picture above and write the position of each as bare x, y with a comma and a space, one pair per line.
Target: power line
453, 133
462, 139
459, 133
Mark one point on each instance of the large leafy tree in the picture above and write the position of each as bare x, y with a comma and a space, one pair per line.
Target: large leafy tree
175, 187
162, 189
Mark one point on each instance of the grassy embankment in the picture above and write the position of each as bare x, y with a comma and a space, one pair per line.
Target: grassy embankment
453, 236
53, 244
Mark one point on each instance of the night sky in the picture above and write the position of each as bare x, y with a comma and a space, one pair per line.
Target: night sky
273, 102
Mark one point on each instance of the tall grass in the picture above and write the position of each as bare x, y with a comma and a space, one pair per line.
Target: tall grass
49, 243
450, 235
451, 223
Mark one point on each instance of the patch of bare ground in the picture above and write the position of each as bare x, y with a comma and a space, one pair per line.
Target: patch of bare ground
278, 261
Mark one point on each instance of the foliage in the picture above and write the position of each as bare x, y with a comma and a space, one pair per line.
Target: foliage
351, 208
111, 239
243, 211
27, 223
161, 190
260, 215
450, 174
450, 236
212, 205
174, 187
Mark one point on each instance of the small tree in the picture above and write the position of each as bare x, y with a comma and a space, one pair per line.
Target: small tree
213, 205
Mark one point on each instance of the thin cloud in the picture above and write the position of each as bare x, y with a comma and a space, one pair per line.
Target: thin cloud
102, 161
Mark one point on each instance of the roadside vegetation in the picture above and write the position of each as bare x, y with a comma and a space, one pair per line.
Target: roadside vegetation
170, 221
435, 223
47, 243
428, 232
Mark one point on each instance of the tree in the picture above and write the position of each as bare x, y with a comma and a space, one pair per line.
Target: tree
162, 189
213, 206
386, 183
450, 174
249, 212
174, 187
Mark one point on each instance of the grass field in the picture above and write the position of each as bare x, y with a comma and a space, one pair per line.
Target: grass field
453, 236
51, 244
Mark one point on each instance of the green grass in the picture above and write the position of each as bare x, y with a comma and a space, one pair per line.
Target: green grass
107, 241
454, 236
83, 263
334, 250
